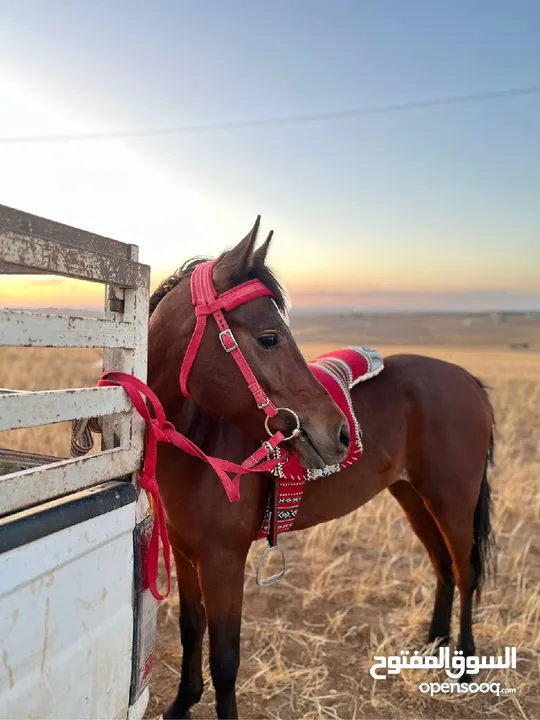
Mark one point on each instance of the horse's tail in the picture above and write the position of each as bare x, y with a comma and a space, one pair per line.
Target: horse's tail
483, 550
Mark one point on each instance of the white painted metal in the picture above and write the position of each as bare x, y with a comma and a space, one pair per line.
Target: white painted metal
20, 410
30, 487
66, 618
31, 329
137, 710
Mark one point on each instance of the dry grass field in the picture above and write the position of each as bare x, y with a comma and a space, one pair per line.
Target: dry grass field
361, 586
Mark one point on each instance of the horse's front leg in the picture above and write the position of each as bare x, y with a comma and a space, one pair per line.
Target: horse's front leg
192, 627
221, 574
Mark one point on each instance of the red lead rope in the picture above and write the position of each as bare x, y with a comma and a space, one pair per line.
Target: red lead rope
160, 430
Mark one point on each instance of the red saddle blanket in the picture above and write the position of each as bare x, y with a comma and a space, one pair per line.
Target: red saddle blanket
338, 371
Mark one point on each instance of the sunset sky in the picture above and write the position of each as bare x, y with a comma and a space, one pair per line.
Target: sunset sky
427, 208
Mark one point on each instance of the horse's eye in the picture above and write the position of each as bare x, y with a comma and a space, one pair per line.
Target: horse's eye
268, 340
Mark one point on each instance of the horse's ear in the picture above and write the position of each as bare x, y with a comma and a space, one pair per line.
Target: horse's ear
259, 256
235, 263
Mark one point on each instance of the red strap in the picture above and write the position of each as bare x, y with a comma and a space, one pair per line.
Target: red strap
206, 302
160, 430
229, 343
191, 353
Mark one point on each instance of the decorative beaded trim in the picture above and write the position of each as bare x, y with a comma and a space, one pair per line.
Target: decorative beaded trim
374, 361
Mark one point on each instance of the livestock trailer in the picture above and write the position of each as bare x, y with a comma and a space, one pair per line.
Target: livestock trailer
77, 620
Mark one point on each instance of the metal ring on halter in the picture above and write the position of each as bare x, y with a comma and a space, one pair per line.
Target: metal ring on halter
296, 430
273, 578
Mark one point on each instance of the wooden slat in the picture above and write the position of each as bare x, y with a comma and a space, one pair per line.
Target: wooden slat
30, 329
12, 219
41, 254
20, 410
27, 488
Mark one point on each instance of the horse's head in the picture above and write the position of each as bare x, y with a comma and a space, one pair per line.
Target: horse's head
264, 338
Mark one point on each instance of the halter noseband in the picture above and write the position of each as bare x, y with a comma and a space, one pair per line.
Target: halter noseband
207, 302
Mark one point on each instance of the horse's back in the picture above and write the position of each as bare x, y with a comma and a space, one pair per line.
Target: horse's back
427, 379
449, 414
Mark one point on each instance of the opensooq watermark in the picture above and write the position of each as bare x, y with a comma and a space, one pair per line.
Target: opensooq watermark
455, 667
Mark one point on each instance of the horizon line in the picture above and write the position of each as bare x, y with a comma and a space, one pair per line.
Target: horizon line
323, 309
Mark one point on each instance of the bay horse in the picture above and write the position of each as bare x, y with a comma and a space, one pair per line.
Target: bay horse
427, 435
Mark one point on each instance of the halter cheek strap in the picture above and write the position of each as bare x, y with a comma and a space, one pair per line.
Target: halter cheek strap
207, 302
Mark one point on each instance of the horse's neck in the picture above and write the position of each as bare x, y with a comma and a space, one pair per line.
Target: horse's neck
219, 438
195, 424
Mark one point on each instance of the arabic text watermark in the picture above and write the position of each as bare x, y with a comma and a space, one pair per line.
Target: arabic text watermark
455, 666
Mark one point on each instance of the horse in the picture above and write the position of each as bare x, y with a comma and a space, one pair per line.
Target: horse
428, 437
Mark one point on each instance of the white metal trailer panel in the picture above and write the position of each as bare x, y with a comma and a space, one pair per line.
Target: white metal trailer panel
66, 607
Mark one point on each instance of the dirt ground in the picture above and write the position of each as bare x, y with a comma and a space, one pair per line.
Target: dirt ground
362, 585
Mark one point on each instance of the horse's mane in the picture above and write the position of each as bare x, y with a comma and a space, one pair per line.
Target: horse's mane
258, 271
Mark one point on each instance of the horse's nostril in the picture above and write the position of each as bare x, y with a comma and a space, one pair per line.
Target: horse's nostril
345, 436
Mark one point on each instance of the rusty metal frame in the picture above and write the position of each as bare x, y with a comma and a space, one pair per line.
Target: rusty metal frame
30, 244
50, 256
35, 226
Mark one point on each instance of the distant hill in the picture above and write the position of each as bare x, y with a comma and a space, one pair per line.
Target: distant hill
498, 329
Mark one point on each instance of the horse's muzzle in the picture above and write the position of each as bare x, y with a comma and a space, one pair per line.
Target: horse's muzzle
318, 449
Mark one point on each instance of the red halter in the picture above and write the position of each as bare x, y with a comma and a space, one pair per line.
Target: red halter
206, 302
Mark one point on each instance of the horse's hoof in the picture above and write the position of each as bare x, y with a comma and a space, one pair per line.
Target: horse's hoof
438, 641
172, 714
432, 646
